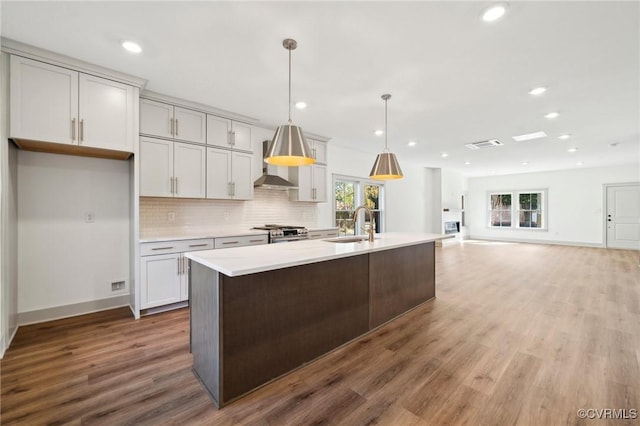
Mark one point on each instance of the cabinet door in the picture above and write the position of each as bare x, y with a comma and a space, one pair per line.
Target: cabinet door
218, 131
156, 118
161, 281
156, 167
218, 173
302, 177
241, 177
320, 152
44, 102
189, 125
189, 170
241, 136
320, 183
184, 280
106, 114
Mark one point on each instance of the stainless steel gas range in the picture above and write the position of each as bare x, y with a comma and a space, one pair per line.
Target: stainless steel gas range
284, 233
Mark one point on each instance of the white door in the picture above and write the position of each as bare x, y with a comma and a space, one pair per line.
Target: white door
106, 114
189, 170
241, 177
241, 136
156, 118
218, 131
623, 217
156, 167
44, 102
161, 280
218, 173
320, 183
190, 126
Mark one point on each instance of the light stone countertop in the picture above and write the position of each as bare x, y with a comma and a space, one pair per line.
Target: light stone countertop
252, 259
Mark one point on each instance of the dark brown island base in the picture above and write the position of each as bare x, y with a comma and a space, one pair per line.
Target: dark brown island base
296, 302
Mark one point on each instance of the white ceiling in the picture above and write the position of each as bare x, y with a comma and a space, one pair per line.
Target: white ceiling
454, 79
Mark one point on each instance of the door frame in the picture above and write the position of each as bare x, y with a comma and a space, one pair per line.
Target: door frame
605, 187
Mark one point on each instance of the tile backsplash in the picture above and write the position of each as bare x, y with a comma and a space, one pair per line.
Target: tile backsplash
162, 216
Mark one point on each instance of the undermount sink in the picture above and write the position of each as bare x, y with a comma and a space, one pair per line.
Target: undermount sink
350, 239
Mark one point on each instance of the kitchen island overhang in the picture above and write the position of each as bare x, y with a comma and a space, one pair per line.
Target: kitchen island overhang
260, 312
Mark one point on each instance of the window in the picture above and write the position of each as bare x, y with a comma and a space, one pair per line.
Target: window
350, 192
517, 209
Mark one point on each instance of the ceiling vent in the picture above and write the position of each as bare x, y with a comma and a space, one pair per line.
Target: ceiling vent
484, 144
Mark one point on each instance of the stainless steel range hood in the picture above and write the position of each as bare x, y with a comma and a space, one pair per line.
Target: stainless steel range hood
269, 178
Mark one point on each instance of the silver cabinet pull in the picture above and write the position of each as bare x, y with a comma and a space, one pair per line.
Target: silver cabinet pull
315, 156
230, 242
171, 178
171, 125
198, 245
161, 248
256, 241
179, 271
185, 270
73, 129
176, 179
233, 138
233, 188
81, 130
229, 137
176, 127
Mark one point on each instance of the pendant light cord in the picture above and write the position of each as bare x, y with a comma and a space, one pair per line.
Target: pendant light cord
289, 85
385, 125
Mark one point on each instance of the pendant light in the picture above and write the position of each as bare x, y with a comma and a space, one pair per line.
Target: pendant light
289, 147
386, 166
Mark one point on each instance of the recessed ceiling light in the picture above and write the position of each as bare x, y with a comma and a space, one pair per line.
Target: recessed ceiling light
572, 149
524, 163
301, 105
131, 46
494, 13
411, 143
565, 136
529, 136
467, 163
551, 115
537, 91
444, 155
579, 163
379, 132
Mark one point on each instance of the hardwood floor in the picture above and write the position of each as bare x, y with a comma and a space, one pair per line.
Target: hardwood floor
518, 335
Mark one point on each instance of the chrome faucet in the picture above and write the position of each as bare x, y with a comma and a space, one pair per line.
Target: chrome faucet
372, 225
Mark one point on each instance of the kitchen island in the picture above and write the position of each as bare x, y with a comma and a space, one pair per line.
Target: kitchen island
259, 312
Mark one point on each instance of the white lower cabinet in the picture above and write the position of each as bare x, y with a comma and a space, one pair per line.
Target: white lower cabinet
165, 271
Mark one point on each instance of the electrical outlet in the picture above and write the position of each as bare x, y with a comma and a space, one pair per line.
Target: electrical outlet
117, 285
89, 217
171, 216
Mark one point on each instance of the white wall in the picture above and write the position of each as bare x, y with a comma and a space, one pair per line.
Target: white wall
406, 199
433, 200
61, 259
575, 203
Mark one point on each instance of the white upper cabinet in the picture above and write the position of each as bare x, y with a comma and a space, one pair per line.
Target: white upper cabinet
319, 151
171, 169
106, 114
225, 133
58, 105
44, 102
319, 183
229, 174
156, 119
156, 167
167, 121
189, 168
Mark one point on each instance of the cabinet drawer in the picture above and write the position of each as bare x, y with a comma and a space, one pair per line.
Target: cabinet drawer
249, 240
323, 233
176, 246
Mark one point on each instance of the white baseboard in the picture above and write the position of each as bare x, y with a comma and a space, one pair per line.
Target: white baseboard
527, 241
7, 342
58, 312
